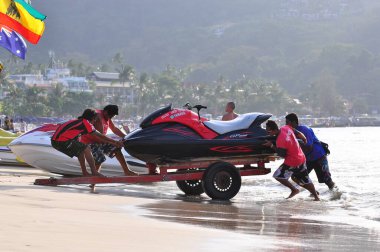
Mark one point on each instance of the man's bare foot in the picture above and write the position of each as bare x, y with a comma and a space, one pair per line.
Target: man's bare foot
316, 199
293, 193
92, 188
311, 195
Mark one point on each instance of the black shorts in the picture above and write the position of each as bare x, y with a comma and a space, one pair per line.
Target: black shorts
70, 147
101, 150
321, 168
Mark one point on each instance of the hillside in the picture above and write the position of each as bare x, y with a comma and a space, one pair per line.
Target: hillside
293, 42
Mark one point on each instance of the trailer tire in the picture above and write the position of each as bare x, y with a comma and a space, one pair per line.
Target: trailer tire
190, 187
221, 181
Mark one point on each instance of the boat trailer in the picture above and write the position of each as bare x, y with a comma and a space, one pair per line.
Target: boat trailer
219, 178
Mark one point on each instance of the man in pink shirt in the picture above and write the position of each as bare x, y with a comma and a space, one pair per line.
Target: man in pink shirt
287, 146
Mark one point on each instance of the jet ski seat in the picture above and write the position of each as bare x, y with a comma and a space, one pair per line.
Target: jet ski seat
241, 122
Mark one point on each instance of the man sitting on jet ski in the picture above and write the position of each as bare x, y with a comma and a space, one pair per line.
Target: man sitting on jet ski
65, 140
230, 114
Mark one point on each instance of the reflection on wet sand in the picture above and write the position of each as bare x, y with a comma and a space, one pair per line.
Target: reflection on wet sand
275, 221
285, 222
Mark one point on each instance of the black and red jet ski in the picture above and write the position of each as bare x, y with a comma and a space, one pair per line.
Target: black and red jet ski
177, 135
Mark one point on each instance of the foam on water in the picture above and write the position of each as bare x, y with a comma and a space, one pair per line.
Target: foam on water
354, 166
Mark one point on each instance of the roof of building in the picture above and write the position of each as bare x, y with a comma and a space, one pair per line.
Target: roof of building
106, 75
111, 84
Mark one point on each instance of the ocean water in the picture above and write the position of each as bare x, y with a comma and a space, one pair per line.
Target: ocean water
344, 220
354, 165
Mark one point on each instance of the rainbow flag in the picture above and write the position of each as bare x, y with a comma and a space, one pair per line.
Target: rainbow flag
21, 21
35, 13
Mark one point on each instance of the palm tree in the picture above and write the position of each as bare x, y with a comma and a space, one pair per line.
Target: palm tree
3, 82
56, 99
126, 73
3, 79
117, 59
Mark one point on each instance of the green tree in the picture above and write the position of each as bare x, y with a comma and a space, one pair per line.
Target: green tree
324, 98
34, 102
56, 99
126, 74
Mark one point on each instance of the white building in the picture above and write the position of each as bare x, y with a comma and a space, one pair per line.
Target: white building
75, 84
108, 84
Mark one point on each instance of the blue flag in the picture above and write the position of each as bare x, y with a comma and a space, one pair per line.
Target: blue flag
14, 43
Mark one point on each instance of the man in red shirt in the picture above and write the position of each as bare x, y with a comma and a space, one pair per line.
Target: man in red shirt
99, 149
65, 140
287, 146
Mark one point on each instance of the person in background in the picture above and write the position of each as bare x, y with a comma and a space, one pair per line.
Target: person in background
65, 140
316, 158
11, 125
7, 123
287, 146
99, 150
126, 128
23, 126
230, 114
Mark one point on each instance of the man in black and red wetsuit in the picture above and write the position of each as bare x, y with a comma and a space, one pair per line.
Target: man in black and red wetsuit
65, 140
100, 149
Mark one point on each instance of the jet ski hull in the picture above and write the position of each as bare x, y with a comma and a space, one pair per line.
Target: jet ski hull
166, 143
35, 149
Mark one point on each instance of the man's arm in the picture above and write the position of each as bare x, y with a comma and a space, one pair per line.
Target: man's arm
106, 139
116, 130
280, 151
308, 146
300, 135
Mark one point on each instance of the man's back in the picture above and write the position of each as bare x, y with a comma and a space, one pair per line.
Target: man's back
288, 141
314, 146
101, 125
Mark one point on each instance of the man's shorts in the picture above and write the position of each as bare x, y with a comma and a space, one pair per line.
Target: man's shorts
321, 168
70, 147
100, 150
299, 172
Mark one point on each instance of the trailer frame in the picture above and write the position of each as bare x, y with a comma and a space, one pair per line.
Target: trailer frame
195, 171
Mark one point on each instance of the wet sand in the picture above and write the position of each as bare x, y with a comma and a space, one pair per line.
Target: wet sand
157, 216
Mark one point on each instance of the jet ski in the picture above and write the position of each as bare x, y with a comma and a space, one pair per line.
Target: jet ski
34, 148
171, 135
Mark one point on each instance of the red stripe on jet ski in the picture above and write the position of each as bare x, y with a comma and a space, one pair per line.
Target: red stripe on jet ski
231, 149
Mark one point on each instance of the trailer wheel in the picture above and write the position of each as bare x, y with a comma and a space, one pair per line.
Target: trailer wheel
221, 181
190, 187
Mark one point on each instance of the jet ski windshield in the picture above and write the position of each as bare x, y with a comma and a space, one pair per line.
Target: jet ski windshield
150, 118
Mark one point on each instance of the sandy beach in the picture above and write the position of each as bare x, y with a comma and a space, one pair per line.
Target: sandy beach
36, 218
158, 217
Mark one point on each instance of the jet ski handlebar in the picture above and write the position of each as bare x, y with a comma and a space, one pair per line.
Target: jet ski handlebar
190, 107
198, 107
